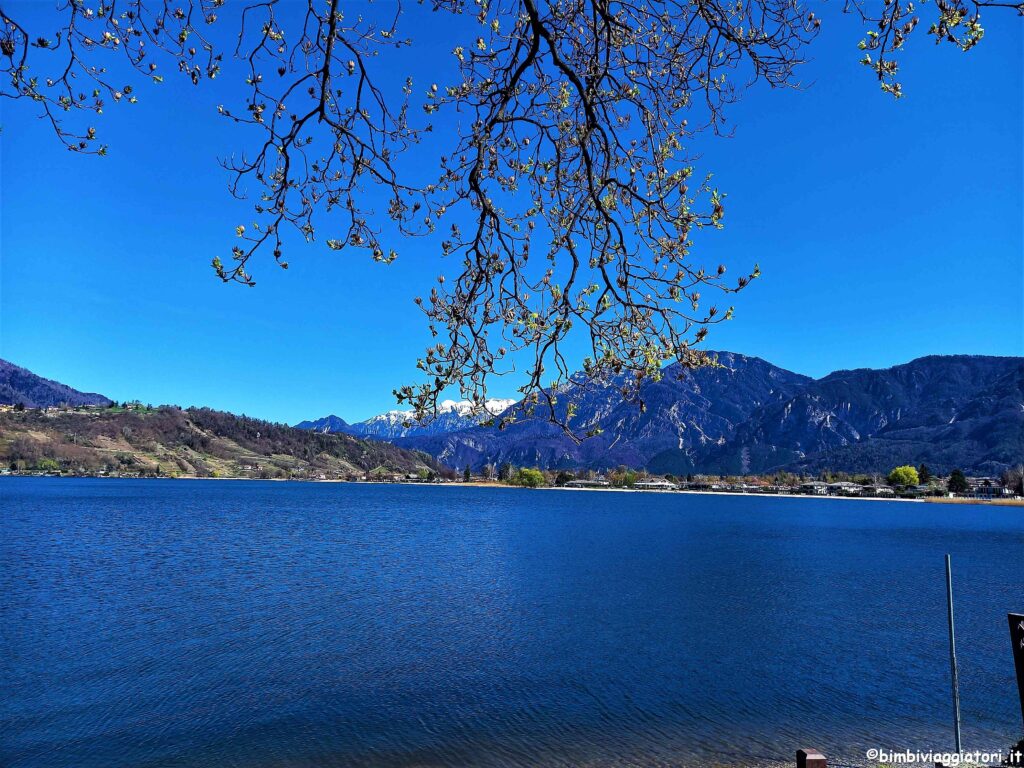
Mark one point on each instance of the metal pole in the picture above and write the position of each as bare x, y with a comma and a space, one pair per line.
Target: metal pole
955, 681
1017, 640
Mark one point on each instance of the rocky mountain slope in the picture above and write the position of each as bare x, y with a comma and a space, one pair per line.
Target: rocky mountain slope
750, 416
957, 411
686, 412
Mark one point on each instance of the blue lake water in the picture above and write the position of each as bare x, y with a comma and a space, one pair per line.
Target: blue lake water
287, 625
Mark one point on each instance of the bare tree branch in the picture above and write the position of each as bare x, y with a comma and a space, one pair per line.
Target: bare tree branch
570, 198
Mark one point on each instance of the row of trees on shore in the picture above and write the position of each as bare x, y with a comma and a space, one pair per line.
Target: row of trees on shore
901, 477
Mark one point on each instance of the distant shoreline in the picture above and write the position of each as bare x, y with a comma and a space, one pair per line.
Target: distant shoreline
481, 484
925, 499
707, 493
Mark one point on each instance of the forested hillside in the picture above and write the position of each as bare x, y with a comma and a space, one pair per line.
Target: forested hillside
197, 442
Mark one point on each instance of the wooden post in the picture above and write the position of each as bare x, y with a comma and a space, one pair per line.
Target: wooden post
810, 758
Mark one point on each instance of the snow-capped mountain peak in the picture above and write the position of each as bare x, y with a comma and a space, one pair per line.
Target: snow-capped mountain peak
452, 415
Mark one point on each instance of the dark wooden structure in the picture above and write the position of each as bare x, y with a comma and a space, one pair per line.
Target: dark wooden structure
810, 758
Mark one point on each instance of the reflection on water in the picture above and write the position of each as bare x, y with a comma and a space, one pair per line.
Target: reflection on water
191, 623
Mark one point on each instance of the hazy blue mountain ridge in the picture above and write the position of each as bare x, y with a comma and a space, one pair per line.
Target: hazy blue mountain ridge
19, 386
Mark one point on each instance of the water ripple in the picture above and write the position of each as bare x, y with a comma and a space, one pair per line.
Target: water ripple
159, 624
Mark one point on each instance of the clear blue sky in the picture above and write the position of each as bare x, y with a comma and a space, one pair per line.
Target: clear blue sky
885, 231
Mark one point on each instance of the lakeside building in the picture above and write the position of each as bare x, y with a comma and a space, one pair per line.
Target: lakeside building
655, 484
877, 491
702, 485
815, 488
743, 488
986, 488
845, 489
777, 488
588, 484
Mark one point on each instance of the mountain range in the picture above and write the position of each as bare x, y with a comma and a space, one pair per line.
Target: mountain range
749, 416
743, 416
452, 416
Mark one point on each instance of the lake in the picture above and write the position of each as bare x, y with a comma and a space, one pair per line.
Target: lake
161, 623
